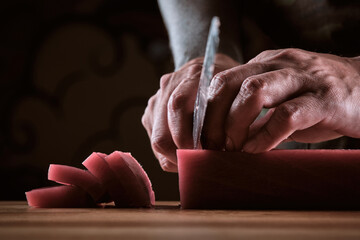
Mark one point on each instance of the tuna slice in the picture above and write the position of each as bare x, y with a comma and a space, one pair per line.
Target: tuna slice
118, 177
279, 179
78, 177
135, 191
140, 174
98, 167
59, 197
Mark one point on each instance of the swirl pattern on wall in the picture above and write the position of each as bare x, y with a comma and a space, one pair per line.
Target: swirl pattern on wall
79, 84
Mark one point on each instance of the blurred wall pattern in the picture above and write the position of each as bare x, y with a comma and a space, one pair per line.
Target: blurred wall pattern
75, 78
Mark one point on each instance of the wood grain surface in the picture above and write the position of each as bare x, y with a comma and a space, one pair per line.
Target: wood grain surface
168, 221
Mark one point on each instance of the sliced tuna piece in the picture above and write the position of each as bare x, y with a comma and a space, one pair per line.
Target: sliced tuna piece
98, 167
118, 177
134, 191
81, 178
140, 173
59, 197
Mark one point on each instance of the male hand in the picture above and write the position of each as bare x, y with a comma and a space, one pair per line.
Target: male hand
168, 118
312, 97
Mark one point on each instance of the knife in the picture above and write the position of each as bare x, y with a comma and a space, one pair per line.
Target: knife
205, 79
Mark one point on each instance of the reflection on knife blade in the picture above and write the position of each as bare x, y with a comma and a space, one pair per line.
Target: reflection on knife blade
205, 78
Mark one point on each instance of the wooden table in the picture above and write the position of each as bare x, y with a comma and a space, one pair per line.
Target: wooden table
167, 221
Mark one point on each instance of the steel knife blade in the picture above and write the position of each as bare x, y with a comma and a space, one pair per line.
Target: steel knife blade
205, 79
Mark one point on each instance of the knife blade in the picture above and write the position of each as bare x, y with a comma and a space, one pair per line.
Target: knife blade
205, 79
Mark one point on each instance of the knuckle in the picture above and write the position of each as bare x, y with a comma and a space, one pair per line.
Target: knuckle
219, 79
217, 85
177, 101
288, 53
160, 144
267, 53
288, 113
262, 55
151, 101
167, 165
144, 120
164, 80
252, 87
147, 115
194, 69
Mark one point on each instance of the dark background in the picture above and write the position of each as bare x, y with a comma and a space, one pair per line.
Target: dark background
75, 77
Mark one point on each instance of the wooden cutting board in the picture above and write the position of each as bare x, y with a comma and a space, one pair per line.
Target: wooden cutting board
167, 221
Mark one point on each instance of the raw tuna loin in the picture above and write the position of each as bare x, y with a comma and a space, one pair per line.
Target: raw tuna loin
280, 179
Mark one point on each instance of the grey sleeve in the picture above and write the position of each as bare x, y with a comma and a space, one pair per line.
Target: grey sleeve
188, 21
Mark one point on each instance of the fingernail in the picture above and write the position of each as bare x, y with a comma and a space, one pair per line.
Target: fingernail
250, 146
229, 145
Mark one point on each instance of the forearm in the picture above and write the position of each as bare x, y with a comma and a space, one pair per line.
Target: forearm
188, 21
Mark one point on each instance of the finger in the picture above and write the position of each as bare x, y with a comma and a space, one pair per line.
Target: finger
180, 112
165, 163
259, 123
161, 140
308, 136
297, 114
265, 90
147, 118
162, 143
223, 89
